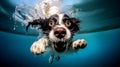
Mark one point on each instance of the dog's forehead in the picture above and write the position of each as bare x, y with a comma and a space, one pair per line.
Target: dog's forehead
62, 16
59, 16
54, 16
66, 16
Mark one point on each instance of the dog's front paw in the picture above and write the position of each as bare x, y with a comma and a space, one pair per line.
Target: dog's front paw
80, 43
37, 48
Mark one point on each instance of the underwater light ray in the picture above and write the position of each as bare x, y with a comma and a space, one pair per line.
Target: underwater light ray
43, 9
92, 21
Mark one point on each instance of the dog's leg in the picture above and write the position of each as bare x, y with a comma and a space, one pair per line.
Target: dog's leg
58, 58
51, 58
39, 46
80, 43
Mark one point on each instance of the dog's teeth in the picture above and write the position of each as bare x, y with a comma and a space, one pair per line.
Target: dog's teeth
62, 40
63, 45
56, 46
58, 39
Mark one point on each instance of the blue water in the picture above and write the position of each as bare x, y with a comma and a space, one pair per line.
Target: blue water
100, 27
103, 50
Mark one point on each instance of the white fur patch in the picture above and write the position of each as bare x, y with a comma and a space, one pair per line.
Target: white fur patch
60, 18
79, 42
39, 46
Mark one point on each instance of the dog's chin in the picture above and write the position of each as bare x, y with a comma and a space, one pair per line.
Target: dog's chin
60, 46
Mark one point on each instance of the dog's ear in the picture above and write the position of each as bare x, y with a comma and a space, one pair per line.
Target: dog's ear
33, 23
76, 21
39, 24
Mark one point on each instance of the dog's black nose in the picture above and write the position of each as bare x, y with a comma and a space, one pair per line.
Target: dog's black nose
59, 32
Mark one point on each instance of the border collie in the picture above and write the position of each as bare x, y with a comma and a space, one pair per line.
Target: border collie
59, 30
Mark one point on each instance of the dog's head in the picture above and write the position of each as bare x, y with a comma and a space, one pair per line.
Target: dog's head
59, 28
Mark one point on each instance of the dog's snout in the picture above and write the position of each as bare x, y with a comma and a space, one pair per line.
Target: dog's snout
60, 32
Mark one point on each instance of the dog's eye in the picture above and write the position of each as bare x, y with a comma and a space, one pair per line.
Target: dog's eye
51, 23
68, 23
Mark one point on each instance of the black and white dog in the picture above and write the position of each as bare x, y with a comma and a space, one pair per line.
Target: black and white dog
59, 30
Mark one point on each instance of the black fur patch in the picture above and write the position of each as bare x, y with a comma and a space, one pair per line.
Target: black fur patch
40, 23
74, 23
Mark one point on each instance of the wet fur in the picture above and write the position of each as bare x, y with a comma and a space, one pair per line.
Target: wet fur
40, 46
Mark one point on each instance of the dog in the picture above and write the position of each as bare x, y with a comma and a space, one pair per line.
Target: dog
59, 30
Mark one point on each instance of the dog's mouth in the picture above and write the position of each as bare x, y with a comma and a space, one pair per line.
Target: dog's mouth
60, 46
